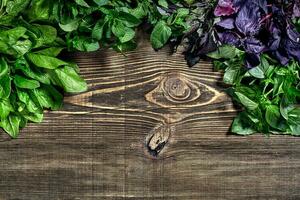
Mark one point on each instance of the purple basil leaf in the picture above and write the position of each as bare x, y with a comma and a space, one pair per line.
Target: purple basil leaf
253, 45
263, 5
239, 3
281, 56
225, 8
293, 34
274, 40
296, 9
229, 38
226, 23
247, 20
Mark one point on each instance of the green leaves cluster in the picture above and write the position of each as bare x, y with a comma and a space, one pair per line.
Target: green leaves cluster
31, 75
269, 94
90, 25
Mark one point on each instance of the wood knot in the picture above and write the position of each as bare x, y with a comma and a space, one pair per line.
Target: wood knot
158, 138
177, 89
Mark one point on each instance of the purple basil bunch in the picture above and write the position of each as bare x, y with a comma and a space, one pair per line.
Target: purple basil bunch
259, 26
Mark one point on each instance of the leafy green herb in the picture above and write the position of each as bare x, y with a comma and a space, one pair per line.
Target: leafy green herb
31, 77
269, 93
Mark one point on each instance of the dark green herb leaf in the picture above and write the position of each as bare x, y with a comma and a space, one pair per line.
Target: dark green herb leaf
160, 35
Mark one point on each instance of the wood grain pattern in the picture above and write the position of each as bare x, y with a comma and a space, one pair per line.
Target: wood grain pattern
148, 128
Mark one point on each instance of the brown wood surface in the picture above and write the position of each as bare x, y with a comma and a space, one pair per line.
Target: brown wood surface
148, 128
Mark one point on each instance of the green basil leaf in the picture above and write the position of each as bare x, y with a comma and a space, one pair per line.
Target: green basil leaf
11, 125
34, 73
257, 72
98, 29
34, 117
3, 67
5, 83
101, 2
239, 126
31, 104
5, 108
51, 51
25, 83
82, 3
225, 51
67, 78
160, 35
71, 26
128, 19
248, 103
273, 116
43, 61
294, 116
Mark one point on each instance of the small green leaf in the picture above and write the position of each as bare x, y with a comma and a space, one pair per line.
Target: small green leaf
30, 102
294, 116
240, 127
85, 44
273, 116
225, 51
37, 74
11, 125
34, 117
50, 51
3, 67
231, 74
67, 78
257, 72
48, 34
101, 2
295, 129
5, 108
43, 61
69, 27
128, 19
248, 103
98, 29
25, 83
5, 83
82, 3
160, 35
163, 3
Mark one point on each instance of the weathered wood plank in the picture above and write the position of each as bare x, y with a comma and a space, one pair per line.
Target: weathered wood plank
148, 128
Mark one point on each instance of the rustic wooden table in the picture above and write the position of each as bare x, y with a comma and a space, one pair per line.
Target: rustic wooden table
148, 128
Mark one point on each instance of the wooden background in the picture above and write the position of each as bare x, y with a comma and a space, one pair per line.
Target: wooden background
148, 128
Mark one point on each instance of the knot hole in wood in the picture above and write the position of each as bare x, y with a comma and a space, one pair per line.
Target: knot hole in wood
158, 138
179, 90
178, 95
